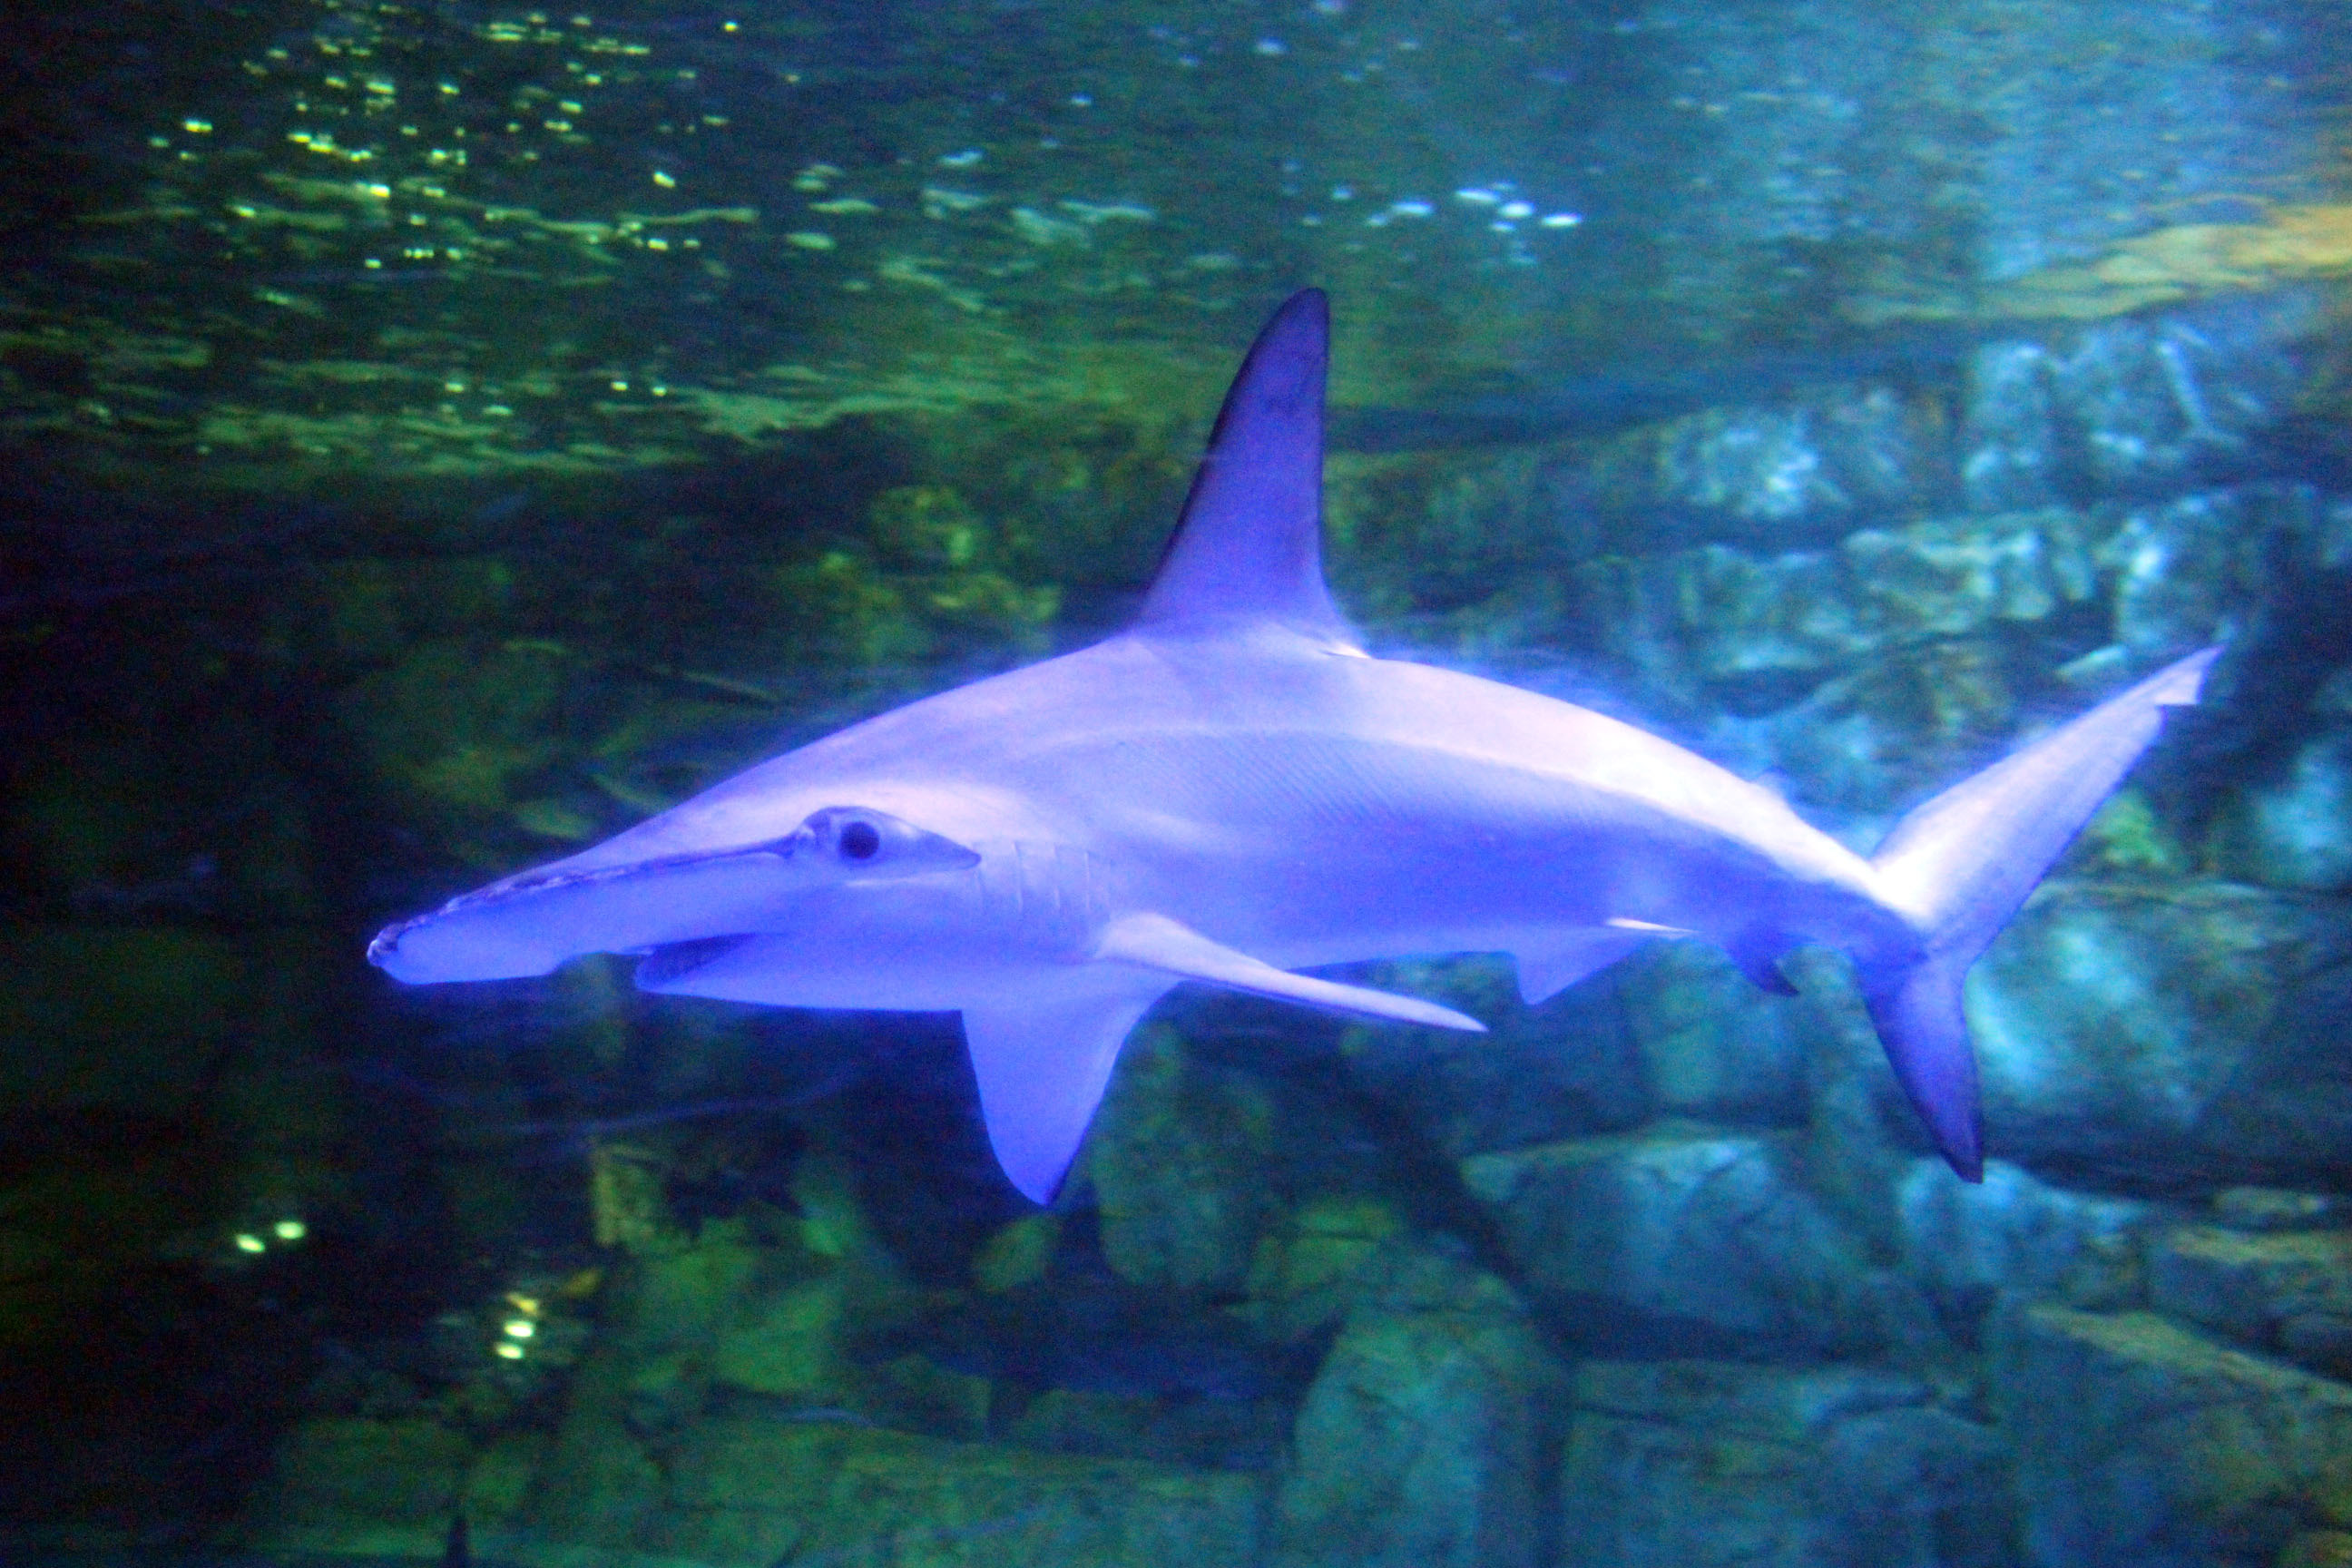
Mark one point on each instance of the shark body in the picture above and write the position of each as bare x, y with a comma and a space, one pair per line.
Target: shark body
1234, 790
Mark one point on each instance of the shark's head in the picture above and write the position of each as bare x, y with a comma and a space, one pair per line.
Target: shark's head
849, 878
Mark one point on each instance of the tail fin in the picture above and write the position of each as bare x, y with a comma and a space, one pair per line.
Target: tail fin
1962, 864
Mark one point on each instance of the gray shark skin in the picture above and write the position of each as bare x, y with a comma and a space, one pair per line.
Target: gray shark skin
1233, 790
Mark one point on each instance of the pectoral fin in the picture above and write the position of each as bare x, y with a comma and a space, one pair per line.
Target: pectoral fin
1041, 1062
1155, 941
1550, 966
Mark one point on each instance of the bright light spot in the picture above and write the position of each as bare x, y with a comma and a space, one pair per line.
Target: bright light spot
372, 264
1343, 193
667, 182
291, 1230
248, 1242
1271, 48
963, 160
1517, 210
619, 386
510, 1351
1476, 195
521, 1328
196, 127
1563, 220
453, 385
809, 239
729, 26
1411, 207
1082, 100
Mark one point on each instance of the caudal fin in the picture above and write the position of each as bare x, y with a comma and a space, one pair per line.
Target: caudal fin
1962, 864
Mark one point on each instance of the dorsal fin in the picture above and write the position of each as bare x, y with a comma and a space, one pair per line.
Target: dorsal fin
1249, 546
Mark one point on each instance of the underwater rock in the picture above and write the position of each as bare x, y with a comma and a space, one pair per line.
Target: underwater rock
791, 1346
1309, 1271
1565, 1068
2247, 1286
2188, 571
1018, 1254
1714, 1046
756, 1491
687, 1296
455, 727
1719, 616
599, 1483
2012, 455
1178, 1156
2292, 827
498, 1485
2140, 405
357, 1486
1680, 1235
2138, 1441
2318, 1549
1419, 1443
1803, 470
1094, 1335
1886, 734
2016, 1233
2164, 1029
1694, 1464
2279, 1208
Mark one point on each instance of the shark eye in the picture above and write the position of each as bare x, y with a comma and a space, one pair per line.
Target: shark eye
859, 841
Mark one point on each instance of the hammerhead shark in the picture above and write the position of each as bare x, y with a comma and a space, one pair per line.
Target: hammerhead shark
1233, 790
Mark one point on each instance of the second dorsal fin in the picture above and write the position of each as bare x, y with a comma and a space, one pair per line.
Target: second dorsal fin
1249, 546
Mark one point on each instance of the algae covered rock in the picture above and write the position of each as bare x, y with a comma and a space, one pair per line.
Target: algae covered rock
2250, 1286
2292, 827
347, 1484
1681, 1235
1683, 1464
1419, 1443
1967, 1243
1714, 1046
1564, 1068
455, 729
1804, 468
1178, 1157
760, 1492
2138, 1441
2139, 1027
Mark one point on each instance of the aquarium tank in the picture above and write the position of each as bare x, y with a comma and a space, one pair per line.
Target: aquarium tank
1478, 1066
